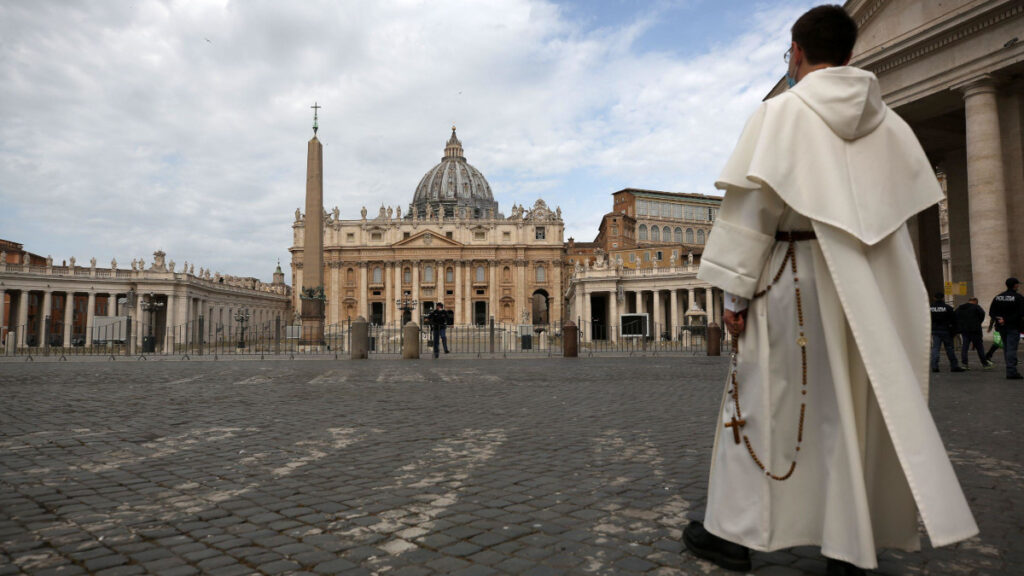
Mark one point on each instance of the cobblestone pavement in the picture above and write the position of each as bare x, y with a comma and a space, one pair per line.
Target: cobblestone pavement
524, 466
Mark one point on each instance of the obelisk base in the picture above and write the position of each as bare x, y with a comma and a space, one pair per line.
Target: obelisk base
312, 315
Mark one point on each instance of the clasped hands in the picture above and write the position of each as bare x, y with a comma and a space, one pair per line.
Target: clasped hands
735, 322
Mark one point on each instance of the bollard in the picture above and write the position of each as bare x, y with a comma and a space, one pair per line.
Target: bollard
570, 340
360, 339
411, 341
714, 340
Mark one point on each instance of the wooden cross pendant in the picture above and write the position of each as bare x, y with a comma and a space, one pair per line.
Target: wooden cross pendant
736, 425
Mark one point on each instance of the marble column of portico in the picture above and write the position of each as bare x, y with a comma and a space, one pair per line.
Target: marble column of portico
639, 301
389, 293
4, 321
556, 307
986, 189
673, 320
492, 291
364, 292
22, 326
521, 302
44, 318
692, 305
658, 325
170, 330
709, 304
613, 315
459, 310
396, 313
439, 270
69, 316
90, 317
335, 301
588, 320
470, 272
416, 292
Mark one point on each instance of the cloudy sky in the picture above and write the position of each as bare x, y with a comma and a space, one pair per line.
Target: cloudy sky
133, 126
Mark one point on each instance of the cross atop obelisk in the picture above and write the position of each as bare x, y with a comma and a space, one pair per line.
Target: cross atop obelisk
316, 108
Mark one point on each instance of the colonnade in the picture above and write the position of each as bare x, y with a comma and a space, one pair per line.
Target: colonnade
669, 310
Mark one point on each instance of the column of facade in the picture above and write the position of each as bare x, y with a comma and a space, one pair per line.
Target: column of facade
140, 326
659, 319
470, 272
492, 291
90, 316
709, 304
69, 316
335, 301
440, 268
459, 307
521, 302
22, 317
399, 292
577, 306
692, 305
171, 332
556, 308
44, 318
986, 189
4, 321
587, 326
416, 292
389, 293
639, 301
673, 320
613, 316
364, 292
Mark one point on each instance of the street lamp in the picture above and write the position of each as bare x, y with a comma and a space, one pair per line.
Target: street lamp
406, 304
242, 317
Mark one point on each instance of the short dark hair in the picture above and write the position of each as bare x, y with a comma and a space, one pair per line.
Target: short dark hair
938, 296
827, 34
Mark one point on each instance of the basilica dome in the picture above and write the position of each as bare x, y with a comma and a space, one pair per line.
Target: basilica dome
453, 187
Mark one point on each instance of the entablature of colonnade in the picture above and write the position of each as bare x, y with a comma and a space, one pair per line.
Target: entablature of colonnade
919, 49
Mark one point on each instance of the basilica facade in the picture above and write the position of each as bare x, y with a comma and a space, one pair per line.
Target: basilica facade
452, 245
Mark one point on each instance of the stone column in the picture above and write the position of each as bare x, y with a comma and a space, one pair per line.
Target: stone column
45, 317
439, 270
613, 316
69, 316
470, 273
639, 301
334, 303
691, 305
389, 293
171, 332
492, 291
364, 292
559, 294
22, 326
673, 320
986, 188
140, 327
588, 319
709, 304
416, 291
577, 304
4, 321
459, 307
521, 302
658, 325
399, 292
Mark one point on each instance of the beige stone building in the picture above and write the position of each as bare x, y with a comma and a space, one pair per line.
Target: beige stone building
955, 72
451, 245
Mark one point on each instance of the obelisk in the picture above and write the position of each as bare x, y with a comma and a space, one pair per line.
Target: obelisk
312, 296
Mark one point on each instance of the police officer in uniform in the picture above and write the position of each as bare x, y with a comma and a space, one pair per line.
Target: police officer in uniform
438, 320
1007, 311
943, 328
970, 318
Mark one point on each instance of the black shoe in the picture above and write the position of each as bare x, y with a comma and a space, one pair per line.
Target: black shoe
705, 545
957, 369
840, 568
1015, 377
936, 370
445, 351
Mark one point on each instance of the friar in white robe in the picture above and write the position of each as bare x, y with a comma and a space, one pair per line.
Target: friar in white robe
824, 435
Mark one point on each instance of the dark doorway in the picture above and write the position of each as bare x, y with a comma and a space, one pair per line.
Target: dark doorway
480, 313
541, 307
599, 316
377, 313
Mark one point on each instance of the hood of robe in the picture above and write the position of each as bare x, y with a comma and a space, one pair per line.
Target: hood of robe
835, 153
847, 99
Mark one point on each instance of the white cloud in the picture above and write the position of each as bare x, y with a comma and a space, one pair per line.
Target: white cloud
182, 125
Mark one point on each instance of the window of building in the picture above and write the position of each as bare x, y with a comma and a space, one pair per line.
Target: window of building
712, 213
657, 255
541, 274
506, 236
615, 230
449, 275
428, 274
647, 256
678, 235
641, 207
666, 234
689, 235
632, 257
615, 244
350, 237
700, 236
480, 274
643, 232
350, 276
407, 276
448, 235
376, 236
405, 234
378, 275
479, 235
539, 232
655, 234
506, 274
677, 211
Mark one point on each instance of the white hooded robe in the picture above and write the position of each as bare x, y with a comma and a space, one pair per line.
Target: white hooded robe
829, 156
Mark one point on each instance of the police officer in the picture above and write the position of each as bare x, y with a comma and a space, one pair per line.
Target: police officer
970, 317
1007, 311
943, 328
438, 320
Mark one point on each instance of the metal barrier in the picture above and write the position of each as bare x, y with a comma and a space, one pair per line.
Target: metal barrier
597, 338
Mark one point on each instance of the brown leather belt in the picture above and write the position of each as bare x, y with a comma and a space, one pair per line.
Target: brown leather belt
795, 235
